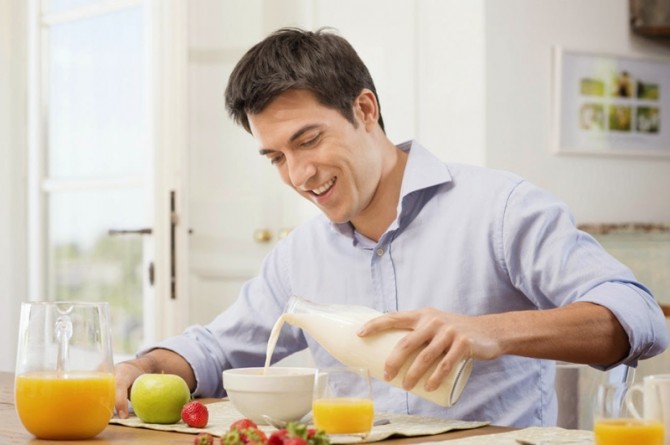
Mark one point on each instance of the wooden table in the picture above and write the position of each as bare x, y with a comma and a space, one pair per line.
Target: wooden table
12, 431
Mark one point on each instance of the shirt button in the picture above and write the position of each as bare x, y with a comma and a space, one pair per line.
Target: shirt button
380, 252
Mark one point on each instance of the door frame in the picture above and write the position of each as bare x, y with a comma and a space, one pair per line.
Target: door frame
169, 37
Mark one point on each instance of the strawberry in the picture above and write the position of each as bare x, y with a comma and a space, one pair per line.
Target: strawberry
304, 435
203, 439
295, 441
277, 437
254, 436
247, 436
232, 437
298, 434
246, 432
242, 424
195, 414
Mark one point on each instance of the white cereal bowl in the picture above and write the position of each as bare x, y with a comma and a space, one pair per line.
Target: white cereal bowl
280, 393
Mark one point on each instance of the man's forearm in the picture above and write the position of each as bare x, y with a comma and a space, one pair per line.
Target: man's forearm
577, 333
159, 361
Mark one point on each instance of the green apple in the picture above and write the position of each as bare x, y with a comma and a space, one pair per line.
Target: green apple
159, 398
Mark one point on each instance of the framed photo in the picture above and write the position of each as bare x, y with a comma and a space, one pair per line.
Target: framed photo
611, 105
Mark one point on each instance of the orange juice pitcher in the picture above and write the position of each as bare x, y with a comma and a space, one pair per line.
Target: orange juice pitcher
64, 384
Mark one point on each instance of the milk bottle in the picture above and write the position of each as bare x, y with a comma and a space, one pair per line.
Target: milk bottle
334, 327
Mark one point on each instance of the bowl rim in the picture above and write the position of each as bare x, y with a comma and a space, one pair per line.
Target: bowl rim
289, 379
275, 371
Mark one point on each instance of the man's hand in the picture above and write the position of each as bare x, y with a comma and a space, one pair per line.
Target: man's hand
578, 333
125, 374
437, 333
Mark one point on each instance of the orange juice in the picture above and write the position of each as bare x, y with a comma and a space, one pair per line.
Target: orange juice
343, 415
72, 405
628, 432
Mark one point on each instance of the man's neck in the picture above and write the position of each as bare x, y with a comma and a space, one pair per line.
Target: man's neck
383, 209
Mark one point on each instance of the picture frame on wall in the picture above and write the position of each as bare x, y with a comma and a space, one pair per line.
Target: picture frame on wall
611, 105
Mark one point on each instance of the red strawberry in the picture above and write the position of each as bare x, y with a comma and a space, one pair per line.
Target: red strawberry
195, 414
247, 436
232, 437
203, 439
295, 441
242, 424
253, 436
277, 437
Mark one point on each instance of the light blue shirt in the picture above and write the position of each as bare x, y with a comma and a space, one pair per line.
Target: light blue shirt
467, 240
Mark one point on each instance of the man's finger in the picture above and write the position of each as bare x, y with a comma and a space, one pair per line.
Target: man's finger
395, 320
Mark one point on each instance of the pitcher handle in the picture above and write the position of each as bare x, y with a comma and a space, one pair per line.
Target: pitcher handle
630, 403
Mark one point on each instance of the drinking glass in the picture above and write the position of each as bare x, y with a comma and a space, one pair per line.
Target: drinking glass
64, 384
615, 425
342, 402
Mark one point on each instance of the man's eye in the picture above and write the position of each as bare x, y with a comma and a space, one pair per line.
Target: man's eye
311, 141
274, 160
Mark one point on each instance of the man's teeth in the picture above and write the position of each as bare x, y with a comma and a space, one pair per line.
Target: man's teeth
324, 188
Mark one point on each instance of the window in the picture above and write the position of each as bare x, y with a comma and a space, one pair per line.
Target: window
91, 166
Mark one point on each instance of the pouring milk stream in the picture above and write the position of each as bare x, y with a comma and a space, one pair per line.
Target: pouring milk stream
334, 327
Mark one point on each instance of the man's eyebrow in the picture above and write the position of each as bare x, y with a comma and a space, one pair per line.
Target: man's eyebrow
302, 131
296, 135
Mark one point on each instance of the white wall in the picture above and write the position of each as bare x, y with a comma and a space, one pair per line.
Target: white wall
12, 177
519, 38
450, 79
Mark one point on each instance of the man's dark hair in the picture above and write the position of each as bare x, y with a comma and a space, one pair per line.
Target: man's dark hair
291, 58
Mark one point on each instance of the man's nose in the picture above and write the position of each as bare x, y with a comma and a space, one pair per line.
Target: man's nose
300, 170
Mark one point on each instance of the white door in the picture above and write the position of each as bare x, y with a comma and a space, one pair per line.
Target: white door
238, 206
234, 196
102, 206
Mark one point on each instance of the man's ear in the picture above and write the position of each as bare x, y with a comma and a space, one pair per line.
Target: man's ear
366, 109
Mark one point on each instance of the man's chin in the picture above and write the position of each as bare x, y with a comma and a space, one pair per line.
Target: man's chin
336, 219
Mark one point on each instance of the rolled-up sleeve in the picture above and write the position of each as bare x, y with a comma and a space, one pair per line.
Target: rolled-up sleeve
639, 315
555, 264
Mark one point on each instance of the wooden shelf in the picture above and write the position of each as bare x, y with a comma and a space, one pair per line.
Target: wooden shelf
653, 31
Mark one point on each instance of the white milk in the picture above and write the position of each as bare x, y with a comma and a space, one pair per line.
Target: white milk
336, 333
272, 341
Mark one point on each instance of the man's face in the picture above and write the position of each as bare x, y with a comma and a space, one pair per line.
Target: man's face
320, 154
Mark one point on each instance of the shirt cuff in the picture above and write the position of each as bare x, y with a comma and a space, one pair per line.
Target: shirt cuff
207, 377
639, 315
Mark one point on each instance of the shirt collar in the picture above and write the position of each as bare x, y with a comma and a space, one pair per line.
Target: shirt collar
422, 171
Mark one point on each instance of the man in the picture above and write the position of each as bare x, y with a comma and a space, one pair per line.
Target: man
472, 262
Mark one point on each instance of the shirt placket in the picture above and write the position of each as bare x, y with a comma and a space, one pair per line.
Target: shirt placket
383, 277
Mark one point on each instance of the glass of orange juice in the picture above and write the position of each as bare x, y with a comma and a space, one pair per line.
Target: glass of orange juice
342, 402
614, 425
64, 384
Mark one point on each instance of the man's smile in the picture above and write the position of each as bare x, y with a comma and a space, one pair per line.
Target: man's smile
325, 187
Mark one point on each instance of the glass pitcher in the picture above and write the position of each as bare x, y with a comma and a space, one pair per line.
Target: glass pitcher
64, 384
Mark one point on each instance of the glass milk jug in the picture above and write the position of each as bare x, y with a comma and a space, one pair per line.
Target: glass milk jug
334, 327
